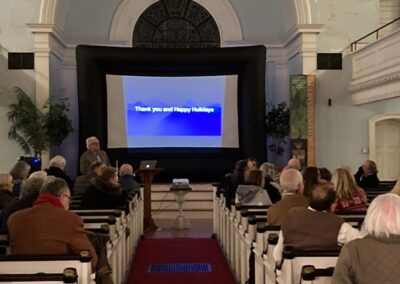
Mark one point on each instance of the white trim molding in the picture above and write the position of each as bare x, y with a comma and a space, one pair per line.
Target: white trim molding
372, 127
376, 70
301, 41
129, 11
303, 12
48, 41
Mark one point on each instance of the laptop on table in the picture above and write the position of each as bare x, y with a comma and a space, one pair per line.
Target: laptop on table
147, 164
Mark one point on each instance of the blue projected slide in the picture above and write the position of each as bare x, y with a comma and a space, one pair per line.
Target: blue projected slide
164, 120
172, 111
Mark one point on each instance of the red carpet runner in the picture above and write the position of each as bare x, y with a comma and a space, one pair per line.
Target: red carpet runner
169, 251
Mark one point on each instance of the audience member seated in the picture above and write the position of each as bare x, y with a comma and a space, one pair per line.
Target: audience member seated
82, 182
252, 192
126, 179
19, 172
93, 154
396, 188
291, 182
349, 195
57, 165
104, 192
48, 227
374, 258
231, 181
252, 163
325, 174
293, 164
272, 187
6, 195
366, 176
311, 177
39, 174
29, 193
315, 227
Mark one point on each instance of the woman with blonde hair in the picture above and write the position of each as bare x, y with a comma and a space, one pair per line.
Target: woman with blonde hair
6, 186
349, 195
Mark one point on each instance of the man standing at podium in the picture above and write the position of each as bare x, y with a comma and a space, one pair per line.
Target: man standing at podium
93, 154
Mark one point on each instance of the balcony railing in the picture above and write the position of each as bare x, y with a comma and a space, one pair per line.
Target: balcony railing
375, 34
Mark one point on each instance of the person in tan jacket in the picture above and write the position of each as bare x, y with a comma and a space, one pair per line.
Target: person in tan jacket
48, 227
291, 182
374, 258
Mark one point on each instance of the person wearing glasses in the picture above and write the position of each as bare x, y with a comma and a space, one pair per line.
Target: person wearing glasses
48, 227
93, 154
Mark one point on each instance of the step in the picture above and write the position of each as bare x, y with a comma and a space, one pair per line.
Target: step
190, 214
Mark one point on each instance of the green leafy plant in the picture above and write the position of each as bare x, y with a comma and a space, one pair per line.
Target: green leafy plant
36, 129
278, 126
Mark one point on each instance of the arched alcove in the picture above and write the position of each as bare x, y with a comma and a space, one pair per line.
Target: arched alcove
129, 11
176, 24
384, 144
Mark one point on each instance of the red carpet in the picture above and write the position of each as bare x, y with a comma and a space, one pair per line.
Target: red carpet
164, 251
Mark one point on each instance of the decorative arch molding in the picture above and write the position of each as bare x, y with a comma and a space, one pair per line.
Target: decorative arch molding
129, 11
303, 12
372, 129
53, 12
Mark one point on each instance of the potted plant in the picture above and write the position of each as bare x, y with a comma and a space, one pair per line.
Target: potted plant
37, 129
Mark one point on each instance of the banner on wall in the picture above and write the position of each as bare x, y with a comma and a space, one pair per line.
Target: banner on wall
302, 118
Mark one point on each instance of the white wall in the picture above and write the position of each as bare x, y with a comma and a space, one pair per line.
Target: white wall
14, 37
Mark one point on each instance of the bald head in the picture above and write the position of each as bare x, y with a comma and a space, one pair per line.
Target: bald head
291, 179
294, 164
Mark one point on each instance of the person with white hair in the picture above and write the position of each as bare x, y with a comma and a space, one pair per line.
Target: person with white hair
57, 165
291, 182
39, 174
126, 179
374, 258
93, 154
29, 193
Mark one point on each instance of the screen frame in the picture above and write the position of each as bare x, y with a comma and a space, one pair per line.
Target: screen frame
248, 63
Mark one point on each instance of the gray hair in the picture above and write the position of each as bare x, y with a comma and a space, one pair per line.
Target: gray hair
31, 187
39, 174
90, 140
55, 186
383, 216
20, 170
268, 169
125, 169
290, 179
58, 161
372, 167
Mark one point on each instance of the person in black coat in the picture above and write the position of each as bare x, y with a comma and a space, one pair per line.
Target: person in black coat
57, 165
366, 176
29, 193
104, 192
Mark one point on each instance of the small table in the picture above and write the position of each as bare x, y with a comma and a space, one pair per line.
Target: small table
180, 222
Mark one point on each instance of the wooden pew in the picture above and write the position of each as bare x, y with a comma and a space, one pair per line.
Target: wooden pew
69, 275
289, 271
32, 264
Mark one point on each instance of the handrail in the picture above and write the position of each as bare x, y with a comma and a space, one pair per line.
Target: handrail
353, 45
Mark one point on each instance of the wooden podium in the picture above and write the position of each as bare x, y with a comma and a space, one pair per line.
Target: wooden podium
147, 176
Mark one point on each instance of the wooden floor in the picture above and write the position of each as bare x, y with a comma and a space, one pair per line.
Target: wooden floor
200, 228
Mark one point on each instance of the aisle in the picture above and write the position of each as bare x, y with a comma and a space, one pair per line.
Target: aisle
156, 258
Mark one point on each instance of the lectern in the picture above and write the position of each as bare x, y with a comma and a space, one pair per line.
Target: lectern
147, 176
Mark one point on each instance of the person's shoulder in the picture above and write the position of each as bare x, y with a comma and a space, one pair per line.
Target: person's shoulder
21, 214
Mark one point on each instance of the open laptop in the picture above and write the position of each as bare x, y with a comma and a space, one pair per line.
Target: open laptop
147, 164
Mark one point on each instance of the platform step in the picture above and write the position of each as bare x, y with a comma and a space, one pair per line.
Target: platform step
198, 202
